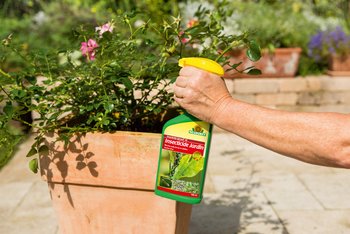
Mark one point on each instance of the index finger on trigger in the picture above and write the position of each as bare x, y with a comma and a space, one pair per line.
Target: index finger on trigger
188, 71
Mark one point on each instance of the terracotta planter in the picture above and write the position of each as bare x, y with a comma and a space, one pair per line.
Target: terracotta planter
283, 62
339, 65
104, 183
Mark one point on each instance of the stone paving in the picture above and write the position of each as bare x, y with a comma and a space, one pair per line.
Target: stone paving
248, 190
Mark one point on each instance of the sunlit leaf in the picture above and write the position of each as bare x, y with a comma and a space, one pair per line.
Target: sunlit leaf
33, 165
253, 51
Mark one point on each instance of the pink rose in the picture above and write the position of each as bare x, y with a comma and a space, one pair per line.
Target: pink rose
88, 49
108, 27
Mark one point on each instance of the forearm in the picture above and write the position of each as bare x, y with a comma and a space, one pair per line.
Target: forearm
318, 138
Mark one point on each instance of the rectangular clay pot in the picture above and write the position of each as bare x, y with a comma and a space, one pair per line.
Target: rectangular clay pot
338, 65
104, 183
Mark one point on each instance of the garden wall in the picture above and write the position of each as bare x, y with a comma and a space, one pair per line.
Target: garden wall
312, 93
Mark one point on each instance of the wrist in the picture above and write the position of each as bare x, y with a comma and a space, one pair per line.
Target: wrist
221, 109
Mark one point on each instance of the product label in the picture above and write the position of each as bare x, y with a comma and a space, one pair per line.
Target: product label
182, 159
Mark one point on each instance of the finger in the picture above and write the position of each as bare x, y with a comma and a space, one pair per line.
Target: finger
179, 92
189, 71
181, 81
178, 100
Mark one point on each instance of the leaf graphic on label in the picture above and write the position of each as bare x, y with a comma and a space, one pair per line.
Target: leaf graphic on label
189, 166
172, 156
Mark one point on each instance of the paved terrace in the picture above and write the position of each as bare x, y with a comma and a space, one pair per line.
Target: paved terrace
248, 190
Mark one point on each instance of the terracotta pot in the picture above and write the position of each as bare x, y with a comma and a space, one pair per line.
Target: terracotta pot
104, 183
283, 62
339, 65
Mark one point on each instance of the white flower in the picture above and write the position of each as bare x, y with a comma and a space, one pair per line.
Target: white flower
138, 23
189, 9
40, 18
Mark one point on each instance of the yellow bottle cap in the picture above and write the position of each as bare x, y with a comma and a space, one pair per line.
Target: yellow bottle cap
202, 63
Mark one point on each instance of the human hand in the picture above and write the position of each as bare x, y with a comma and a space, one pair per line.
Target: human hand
201, 93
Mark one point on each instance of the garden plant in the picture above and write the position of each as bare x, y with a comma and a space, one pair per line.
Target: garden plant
116, 78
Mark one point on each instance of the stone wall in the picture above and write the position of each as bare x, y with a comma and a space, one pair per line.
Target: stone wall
316, 93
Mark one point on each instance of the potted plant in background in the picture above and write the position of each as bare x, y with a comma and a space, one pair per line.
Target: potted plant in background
93, 111
332, 47
281, 29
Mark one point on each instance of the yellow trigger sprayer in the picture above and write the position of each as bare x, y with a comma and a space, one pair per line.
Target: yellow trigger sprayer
184, 149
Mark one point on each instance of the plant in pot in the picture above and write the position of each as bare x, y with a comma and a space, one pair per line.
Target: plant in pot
282, 30
331, 48
98, 116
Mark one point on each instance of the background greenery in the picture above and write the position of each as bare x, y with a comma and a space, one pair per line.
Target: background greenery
46, 25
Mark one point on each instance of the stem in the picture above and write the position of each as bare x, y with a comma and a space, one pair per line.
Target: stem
26, 123
48, 67
232, 45
157, 30
130, 28
4, 73
6, 93
7, 76
137, 30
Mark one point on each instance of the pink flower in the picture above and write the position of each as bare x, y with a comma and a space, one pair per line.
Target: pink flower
183, 37
88, 49
108, 27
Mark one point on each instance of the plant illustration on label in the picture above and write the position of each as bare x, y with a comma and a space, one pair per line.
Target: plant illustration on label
183, 161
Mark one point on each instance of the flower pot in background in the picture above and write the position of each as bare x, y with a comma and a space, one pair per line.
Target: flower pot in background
282, 62
104, 183
338, 65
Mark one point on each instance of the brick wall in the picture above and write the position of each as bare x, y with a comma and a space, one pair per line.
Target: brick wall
316, 94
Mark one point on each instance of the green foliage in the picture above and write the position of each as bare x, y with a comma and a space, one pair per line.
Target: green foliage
274, 25
287, 23
118, 81
33, 165
8, 141
189, 166
44, 27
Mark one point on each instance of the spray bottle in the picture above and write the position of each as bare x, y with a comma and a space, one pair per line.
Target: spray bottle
184, 149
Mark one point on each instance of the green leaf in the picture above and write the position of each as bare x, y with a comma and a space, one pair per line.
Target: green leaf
105, 121
254, 71
43, 149
8, 143
8, 109
18, 93
90, 107
127, 82
32, 151
234, 66
31, 79
189, 166
253, 52
108, 106
33, 165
